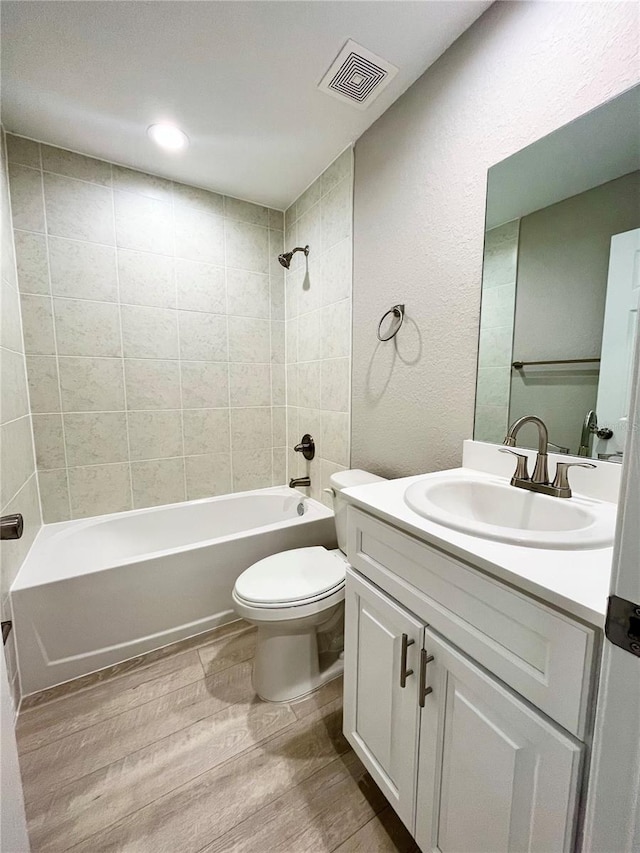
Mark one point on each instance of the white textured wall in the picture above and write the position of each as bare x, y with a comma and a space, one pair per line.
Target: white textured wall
523, 70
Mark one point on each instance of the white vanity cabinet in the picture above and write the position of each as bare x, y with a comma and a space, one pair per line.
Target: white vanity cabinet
466, 762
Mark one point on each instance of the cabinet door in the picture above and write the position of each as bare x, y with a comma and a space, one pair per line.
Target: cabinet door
380, 715
494, 775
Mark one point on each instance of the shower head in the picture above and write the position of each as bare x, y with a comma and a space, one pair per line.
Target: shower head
285, 257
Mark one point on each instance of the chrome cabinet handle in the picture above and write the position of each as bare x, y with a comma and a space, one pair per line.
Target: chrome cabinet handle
425, 658
404, 672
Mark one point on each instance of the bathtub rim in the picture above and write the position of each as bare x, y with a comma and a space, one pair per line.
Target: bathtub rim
23, 581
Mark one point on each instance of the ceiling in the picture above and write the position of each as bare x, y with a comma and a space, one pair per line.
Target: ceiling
239, 77
596, 148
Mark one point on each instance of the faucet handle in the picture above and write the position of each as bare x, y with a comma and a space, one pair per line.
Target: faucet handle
521, 472
561, 480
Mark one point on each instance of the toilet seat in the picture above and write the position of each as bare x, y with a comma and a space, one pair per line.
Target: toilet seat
292, 578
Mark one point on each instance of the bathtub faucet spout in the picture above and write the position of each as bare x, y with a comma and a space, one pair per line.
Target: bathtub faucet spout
300, 482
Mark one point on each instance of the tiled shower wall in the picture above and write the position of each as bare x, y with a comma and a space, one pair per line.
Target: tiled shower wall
318, 328
18, 486
154, 335
496, 332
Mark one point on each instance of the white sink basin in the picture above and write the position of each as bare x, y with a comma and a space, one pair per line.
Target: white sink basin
493, 509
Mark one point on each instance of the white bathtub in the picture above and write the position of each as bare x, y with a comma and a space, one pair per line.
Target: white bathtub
98, 591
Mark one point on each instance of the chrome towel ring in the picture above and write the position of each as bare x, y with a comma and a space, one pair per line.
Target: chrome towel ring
398, 313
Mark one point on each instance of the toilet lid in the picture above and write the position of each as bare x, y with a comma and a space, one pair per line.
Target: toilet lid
292, 576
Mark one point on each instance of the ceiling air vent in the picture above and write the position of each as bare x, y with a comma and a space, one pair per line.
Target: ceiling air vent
357, 76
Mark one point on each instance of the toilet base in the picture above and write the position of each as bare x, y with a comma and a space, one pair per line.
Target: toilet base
287, 663
330, 673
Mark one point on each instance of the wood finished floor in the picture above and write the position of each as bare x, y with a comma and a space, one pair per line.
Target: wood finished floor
177, 755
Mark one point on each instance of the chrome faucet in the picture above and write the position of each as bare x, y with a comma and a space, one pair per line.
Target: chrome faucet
299, 482
539, 481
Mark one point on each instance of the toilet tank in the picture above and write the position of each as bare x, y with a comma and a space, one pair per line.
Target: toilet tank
344, 480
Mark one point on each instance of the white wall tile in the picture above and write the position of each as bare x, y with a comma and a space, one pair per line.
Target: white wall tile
335, 437
144, 224
75, 165
23, 151
251, 470
205, 385
42, 378
336, 214
78, 210
155, 434
245, 211
95, 438
208, 475
91, 384
250, 428
13, 386
27, 206
82, 270
203, 337
337, 171
250, 384
278, 343
309, 335
158, 482
206, 431
334, 384
37, 324
309, 384
48, 440
335, 330
31, 258
205, 201
16, 457
248, 294
10, 330
278, 385
99, 489
200, 287
276, 219
149, 332
199, 236
152, 384
54, 496
87, 328
247, 246
249, 340
146, 279
132, 181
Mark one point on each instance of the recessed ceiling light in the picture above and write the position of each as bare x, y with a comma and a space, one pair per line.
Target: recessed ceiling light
168, 136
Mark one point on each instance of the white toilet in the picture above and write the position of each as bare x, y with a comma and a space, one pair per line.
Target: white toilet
296, 598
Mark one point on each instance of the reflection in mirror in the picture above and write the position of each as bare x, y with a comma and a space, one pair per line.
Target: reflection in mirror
561, 284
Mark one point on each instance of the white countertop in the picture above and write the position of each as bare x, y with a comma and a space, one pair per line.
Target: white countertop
575, 581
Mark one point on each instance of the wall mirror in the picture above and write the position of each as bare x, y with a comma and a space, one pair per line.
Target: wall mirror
561, 284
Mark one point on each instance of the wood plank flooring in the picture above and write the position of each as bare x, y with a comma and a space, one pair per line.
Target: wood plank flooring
173, 753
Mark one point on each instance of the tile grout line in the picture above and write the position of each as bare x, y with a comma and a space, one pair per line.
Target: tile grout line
177, 304
124, 375
226, 304
137, 172
55, 339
